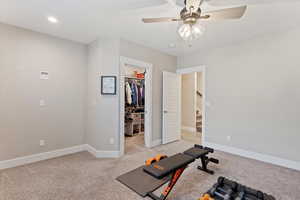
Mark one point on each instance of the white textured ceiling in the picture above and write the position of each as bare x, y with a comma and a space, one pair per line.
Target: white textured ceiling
86, 20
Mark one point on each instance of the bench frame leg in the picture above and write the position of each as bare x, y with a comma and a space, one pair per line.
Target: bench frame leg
168, 189
204, 162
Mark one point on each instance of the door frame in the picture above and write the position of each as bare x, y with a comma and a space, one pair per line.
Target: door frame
148, 100
202, 69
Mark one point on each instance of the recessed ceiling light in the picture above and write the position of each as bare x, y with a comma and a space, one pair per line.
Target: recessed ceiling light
52, 19
172, 45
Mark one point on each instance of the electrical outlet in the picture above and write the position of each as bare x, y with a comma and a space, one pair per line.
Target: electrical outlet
42, 143
228, 138
42, 102
111, 141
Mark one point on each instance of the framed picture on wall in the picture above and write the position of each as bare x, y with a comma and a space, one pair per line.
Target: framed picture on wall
108, 85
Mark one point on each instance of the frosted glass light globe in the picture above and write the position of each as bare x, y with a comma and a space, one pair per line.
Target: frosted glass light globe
190, 32
197, 31
185, 31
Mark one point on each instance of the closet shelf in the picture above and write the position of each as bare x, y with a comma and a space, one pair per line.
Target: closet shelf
134, 78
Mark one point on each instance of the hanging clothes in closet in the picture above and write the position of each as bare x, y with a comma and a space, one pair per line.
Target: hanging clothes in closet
134, 107
128, 94
142, 93
135, 92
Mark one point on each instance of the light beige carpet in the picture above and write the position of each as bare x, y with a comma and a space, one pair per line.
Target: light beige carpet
82, 177
194, 137
135, 144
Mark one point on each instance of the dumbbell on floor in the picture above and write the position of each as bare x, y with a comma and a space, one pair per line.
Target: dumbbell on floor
206, 197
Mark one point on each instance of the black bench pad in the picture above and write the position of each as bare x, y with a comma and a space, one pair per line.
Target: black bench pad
141, 182
168, 165
196, 153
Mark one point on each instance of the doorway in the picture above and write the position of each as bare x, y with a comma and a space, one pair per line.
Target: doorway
135, 105
193, 104
191, 107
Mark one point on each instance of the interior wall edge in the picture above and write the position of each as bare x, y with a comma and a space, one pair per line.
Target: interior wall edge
102, 154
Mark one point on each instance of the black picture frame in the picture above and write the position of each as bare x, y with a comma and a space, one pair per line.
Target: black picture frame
105, 80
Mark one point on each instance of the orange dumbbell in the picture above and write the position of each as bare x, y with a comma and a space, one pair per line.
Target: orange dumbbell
157, 158
150, 161
206, 197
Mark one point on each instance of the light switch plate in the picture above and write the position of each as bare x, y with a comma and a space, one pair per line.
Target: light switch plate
42, 143
111, 141
228, 138
42, 102
44, 75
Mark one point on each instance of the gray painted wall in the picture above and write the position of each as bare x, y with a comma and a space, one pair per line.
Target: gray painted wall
253, 89
103, 111
23, 54
161, 62
75, 112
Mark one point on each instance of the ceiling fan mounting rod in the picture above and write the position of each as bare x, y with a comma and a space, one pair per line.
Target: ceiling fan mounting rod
191, 10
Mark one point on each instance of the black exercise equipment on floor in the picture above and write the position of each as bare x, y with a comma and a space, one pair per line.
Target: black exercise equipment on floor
161, 170
199, 152
226, 189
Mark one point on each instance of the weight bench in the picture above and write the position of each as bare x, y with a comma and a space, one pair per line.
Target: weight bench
201, 152
147, 179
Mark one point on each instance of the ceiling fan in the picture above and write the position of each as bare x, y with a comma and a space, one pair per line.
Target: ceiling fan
191, 14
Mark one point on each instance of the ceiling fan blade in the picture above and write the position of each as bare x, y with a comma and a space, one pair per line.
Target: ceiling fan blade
229, 13
162, 19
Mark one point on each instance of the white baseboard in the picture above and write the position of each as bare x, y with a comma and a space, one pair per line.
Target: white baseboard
256, 156
156, 143
57, 153
188, 128
102, 154
39, 157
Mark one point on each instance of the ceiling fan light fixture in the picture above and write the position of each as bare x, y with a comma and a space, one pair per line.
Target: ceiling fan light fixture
189, 32
185, 31
197, 31
52, 19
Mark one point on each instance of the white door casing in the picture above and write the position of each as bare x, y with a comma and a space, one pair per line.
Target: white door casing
171, 107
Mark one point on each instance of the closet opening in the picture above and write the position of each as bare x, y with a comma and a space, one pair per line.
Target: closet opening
136, 106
